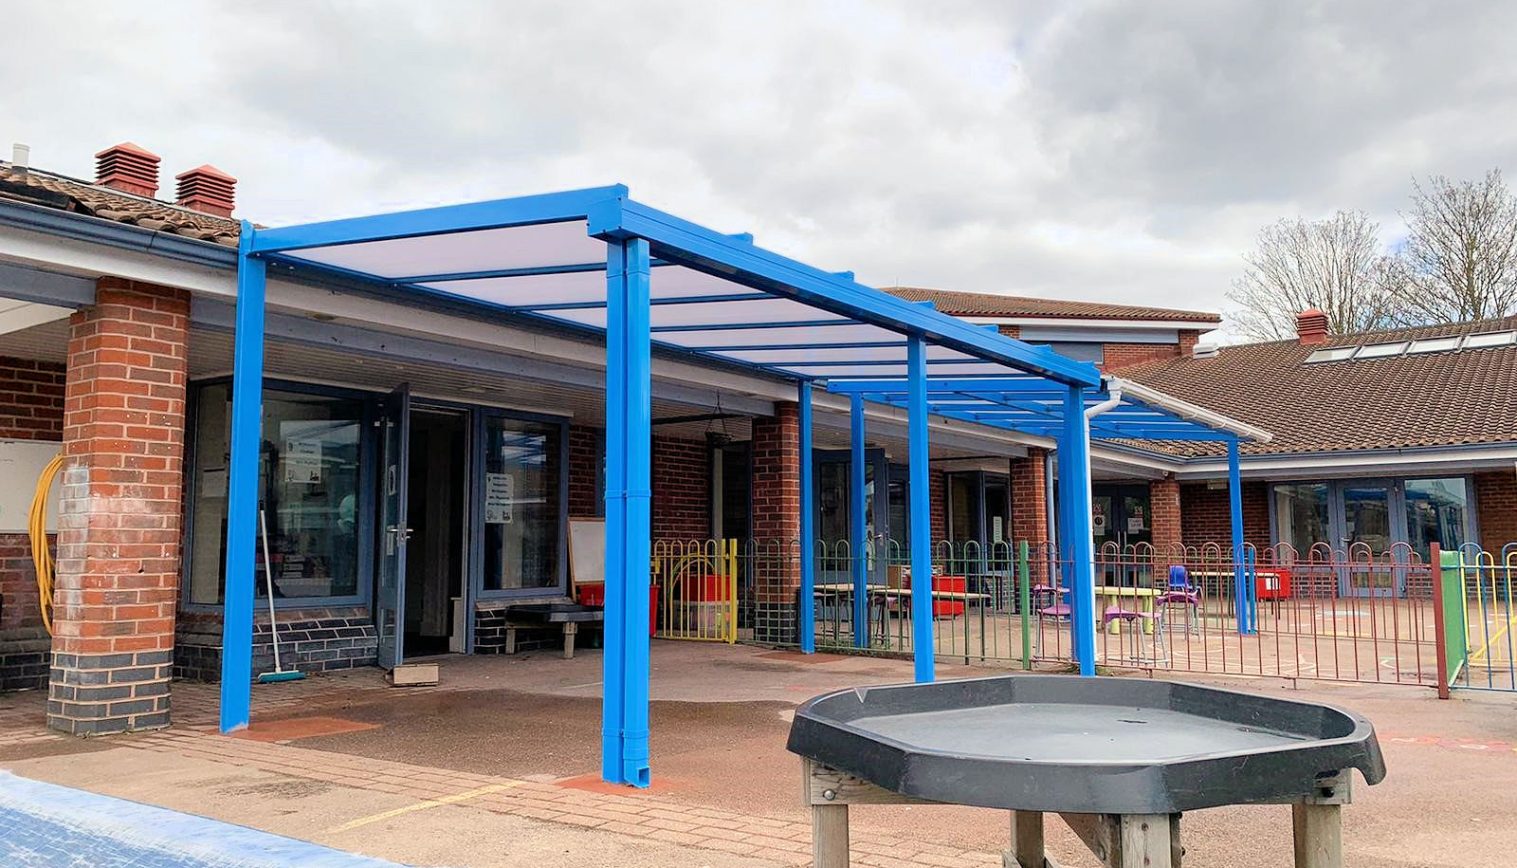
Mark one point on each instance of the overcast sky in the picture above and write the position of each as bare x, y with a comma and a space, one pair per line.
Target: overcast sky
1097, 150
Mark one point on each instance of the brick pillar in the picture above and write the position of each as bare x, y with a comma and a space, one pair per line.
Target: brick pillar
120, 512
776, 524
1164, 506
1029, 498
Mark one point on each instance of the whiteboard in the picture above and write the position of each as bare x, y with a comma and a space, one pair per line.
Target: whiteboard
587, 550
21, 463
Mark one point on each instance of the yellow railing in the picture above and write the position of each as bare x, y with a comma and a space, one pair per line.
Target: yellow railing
698, 589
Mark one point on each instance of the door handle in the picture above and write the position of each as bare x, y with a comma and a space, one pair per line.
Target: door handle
395, 534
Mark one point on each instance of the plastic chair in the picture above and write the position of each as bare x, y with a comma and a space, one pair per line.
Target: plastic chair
1052, 604
1181, 593
1136, 626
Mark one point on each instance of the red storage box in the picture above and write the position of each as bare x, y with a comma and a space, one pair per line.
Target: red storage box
948, 584
1272, 584
709, 589
595, 595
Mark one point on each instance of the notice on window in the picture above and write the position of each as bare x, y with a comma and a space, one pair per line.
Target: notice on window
500, 496
302, 462
213, 482
1098, 521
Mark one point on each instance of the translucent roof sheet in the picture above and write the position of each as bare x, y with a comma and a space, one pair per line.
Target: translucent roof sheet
715, 295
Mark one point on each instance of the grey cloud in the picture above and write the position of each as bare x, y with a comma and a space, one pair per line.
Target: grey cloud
1089, 150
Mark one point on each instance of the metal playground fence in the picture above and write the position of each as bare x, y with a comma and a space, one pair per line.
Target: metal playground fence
1349, 614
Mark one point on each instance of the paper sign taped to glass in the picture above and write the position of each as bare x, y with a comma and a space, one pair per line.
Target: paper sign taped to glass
500, 495
302, 462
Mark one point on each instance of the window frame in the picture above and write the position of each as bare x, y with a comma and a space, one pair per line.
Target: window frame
1400, 531
367, 470
477, 588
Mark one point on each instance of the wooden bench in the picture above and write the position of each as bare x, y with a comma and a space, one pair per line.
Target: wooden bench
539, 616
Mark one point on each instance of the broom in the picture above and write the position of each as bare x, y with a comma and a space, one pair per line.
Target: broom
279, 673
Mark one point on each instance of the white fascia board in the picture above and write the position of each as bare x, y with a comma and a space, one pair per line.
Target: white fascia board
1093, 323
1352, 464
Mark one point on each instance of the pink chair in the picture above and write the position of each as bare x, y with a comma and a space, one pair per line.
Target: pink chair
1136, 623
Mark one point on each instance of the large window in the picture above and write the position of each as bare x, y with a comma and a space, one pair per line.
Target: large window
1377, 513
1301, 515
310, 484
1437, 510
523, 507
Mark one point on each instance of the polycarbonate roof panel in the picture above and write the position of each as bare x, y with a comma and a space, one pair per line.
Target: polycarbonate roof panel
536, 246
713, 294
584, 287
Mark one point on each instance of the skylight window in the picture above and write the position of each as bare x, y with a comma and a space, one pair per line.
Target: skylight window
1489, 339
1434, 345
1380, 351
1332, 354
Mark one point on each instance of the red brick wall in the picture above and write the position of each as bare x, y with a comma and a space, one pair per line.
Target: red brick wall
1164, 504
776, 570
681, 489
121, 510
1496, 505
31, 408
1205, 514
1029, 498
681, 482
586, 453
1116, 356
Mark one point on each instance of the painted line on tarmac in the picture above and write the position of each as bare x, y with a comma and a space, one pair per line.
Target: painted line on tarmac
424, 805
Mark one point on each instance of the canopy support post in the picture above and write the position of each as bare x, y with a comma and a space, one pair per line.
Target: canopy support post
857, 545
921, 523
242, 488
1074, 491
808, 534
1242, 598
624, 708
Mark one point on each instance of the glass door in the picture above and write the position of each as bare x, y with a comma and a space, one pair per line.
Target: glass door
389, 596
1367, 535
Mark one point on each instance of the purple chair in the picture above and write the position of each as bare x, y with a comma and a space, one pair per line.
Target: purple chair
1136, 623
1181, 593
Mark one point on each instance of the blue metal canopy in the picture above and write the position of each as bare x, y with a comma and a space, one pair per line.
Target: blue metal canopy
1119, 410
710, 294
598, 262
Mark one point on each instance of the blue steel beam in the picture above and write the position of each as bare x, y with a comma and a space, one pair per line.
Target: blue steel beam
682, 241
808, 520
1242, 593
857, 545
242, 487
921, 525
1079, 545
936, 386
520, 211
624, 732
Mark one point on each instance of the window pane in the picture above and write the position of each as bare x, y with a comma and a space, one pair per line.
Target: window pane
522, 522
1301, 515
1436, 510
308, 486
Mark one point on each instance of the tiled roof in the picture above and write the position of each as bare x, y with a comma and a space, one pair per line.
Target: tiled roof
68, 194
987, 304
1453, 398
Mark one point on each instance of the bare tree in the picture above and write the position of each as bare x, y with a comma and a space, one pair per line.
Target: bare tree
1460, 258
1335, 265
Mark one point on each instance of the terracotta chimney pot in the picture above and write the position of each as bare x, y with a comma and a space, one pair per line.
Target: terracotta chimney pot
129, 168
1311, 327
208, 190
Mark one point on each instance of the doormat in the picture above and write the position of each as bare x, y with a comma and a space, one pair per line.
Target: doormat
293, 728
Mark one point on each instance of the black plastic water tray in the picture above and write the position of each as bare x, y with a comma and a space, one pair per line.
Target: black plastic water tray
1084, 745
